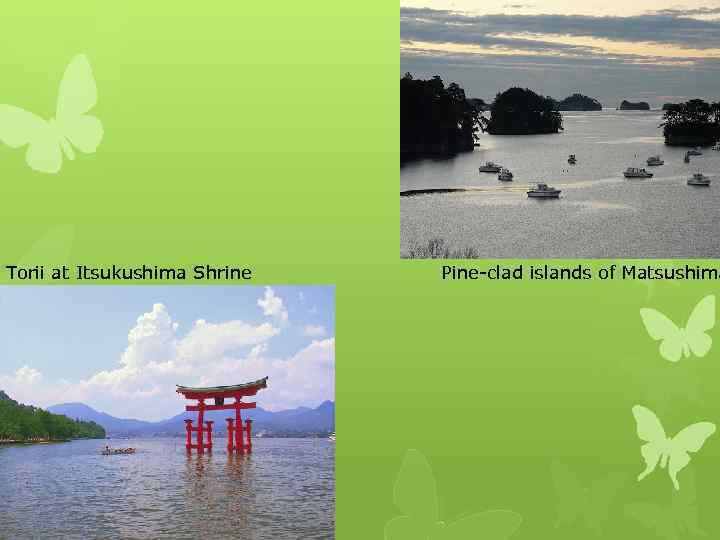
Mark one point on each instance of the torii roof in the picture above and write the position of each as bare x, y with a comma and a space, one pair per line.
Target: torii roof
245, 389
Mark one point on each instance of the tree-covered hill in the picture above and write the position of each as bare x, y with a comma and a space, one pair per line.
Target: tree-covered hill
579, 102
23, 423
694, 123
435, 120
520, 111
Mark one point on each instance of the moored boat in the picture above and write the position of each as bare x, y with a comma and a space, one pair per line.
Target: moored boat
695, 151
716, 146
489, 166
543, 191
655, 161
698, 179
505, 175
572, 160
117, 451
636, 172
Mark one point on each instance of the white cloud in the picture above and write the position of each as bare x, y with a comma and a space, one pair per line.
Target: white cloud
315, 330
272, 306
157, 358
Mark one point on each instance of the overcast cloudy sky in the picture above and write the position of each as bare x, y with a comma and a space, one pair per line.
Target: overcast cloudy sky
651, 50
122, 350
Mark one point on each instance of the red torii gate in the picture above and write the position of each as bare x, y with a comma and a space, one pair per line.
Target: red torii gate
234, 426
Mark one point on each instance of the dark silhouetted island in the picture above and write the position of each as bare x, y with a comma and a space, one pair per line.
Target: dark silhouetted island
694, 123
24, 423
520, 111
666, 106
579, 102
630, 106
435, 121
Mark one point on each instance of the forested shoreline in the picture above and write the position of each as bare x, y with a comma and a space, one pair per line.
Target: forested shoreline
25, 423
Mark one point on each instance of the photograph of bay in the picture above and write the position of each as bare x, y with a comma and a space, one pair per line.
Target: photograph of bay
559, 130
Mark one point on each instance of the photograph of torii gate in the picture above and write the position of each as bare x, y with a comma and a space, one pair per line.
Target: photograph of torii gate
209, 411
239, 436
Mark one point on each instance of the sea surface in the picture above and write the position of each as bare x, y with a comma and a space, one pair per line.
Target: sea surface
600, 214
284, 490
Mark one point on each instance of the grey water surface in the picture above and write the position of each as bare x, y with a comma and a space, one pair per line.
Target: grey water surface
284, 490
600, 214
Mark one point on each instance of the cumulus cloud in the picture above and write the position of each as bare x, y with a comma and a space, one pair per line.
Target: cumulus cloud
315, 330
158, 357
272, 306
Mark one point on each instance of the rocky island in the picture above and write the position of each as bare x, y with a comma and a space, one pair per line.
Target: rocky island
520, 111
435, 121
579, 102
630, 106
694, 123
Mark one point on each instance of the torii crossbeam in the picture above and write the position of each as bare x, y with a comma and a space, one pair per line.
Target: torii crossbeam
234, 426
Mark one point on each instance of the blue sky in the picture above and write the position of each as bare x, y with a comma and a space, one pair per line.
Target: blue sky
654, 50
122, 349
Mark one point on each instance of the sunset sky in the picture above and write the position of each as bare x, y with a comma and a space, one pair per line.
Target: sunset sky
653, 51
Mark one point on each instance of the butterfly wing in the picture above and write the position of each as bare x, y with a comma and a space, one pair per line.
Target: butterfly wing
690, 439
77, 95
659, 327
490, 525
701, 320
19, 127
683, 509
569, 494
653, 517
602, 494
415, 491
649, 429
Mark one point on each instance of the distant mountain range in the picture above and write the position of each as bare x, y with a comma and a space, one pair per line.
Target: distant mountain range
302, 421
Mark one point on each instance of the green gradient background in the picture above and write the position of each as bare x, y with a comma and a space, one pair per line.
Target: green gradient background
266, 135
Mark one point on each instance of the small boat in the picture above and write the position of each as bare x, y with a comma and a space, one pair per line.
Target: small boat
505, 175
698, 179
331, 437
653, 161
695, 151
686, 159
716, 146
572, 160
635, 172
117, 451
543, 191
489, 166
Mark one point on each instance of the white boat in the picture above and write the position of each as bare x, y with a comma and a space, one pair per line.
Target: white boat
489, 166
572, 160
716, 147
695, 152
698, 179
543, 191
331, 437
505, 175
655, 160
635, 172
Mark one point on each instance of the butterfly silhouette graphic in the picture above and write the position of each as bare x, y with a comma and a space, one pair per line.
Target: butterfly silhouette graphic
678, 342
48, 140
589, 503
672, 453
416, 497
677, 520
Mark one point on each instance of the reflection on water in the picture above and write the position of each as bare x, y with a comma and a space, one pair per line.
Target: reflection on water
284, 490
599, 214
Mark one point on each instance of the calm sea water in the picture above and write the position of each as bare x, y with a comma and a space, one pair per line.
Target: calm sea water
285, 489
600, 213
